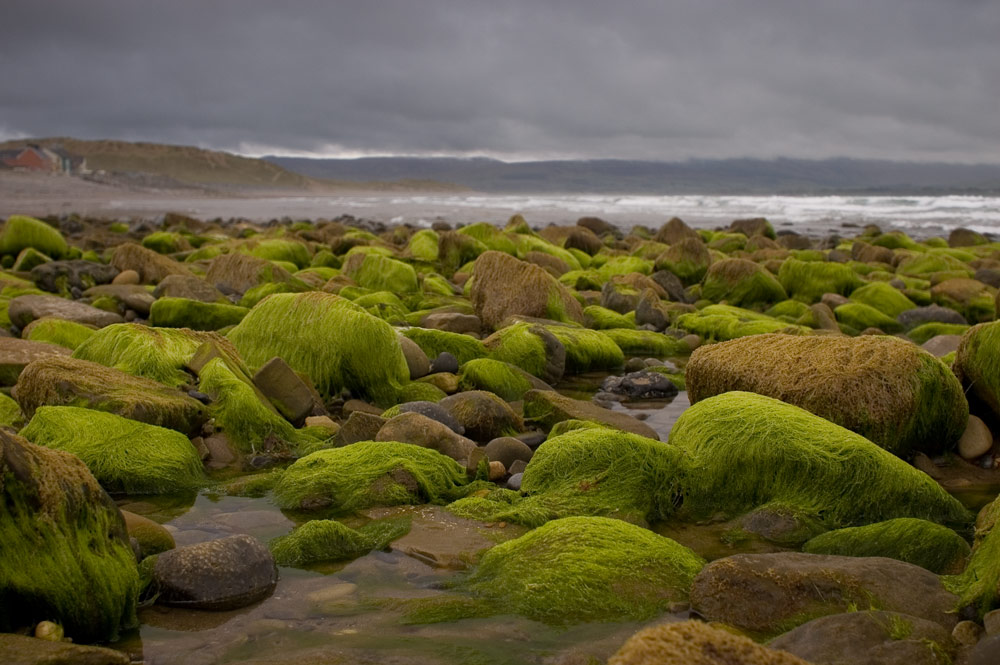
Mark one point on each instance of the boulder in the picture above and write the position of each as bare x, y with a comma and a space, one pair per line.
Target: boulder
433, 411
504, 286
533, 348
25, 309
223, 574
290, 394
359, 426
741, 282
194, 314
129, 296
63, 276
416, 360
152, 267
975, 363
643, 384
769, 593
452, 322
237, 272
912, 318
16, 354
547, 408
427, 433
696, 643
151, 536
483, 415
188, 286
507, 450
976, 440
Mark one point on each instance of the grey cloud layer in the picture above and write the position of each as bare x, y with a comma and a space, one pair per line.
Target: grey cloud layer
660, 80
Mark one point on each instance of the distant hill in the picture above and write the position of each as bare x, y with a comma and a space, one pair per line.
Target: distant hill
727, 176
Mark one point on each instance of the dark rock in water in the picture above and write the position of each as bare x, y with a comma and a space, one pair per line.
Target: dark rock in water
434, 412
507, 450
359, 426
61, 276
25, 309
422, 431
644, 384
868, 638
22, 650
483, 415
762, 593
514, 482
445, 362
223, 574
912, 318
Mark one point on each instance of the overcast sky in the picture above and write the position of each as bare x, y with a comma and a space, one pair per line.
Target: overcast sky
516, 79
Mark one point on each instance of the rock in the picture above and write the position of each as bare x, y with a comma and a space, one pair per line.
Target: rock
762, 593
445, 363
912, 318
126, 277
221, 451
16, 354
941, 345
866, 253
868, 638
834, 300
532, 348
991, 622
152, 537
497, 472
505, 286
152, 267
453, 322
692, 341
548, 408
649, 310
644, 384
326, 422
426, 433
61, 276
824, 317
352, 405
237, 272
223, 574
22, 650
696, 643
416, 359
990, 276
290, 394
25, 309
434, 412
518, 466
507, 450
66, 381
359, 426
976, 440
443, 381
131, 296
635, 365
617, 298
967, 633
514, 482
190, 287
672, 284
962, 237
66, 555
598, 226
986, 652
483, 415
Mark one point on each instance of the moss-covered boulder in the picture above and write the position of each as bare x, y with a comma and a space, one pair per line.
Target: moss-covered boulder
503, 286
548, 408
531, 347
238, 273
858, 317
124, 455
380, 273
65, 555
194, 314
575, 570
886, 389
330, 339
65, 381
809, 280
58, 331
979, 584
587, 350
884, 297
977, 363
926, 544
646, 343
745, 450
330, 540
484, 416
725, 322
16, 354
370, 473
160, 354
436, 342
741, 282
696, 643
21, 232
25, 309
152, 267
689, 259
969, 297
503, 379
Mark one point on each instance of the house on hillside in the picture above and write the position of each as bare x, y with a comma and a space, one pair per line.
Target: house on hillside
45, 160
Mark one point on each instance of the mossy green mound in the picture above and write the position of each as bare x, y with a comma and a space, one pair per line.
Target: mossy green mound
979, 584
165, 242
329, 540
926, 544
530, 347
969, 297
65, 381
380, 273
279, 249
588, 470
159, 354
10, 412
20, 232
194, 314
502, 379
646, 343
809, 280
860, 317
65, 554
58, 331
370, 473
724, 322
689, 259
884, 297
977, 363
490, 236
576, 570
745, 451
741, 282
886, 389
504, 286
922, 333
330, 339
587, 350
436, 342
602, 318
124, 455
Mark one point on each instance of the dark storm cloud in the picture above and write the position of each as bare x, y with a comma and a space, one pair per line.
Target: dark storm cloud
662, 80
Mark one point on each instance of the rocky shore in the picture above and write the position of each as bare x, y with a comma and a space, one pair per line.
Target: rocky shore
828, 497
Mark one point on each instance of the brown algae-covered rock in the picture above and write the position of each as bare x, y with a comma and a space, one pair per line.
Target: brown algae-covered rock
503, 285
696, 643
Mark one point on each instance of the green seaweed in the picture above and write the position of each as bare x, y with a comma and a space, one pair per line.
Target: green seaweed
435, 342
10, 412
194, 314
20, 232
884, 297
505, 380
861, 317
740, 282
646, 343
587, 350
69, 334
279, 250
524, 345
329, 540
165, 242
809, 280
724, 322
380, 273
922, 333
602, 318
979, 584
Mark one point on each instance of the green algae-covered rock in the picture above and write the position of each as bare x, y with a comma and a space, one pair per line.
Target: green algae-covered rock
370, 473
977, 363
159, 354
503, 379
10, 412
745, 450
741, 282
238, 273
330, 339
858, 316
724, 322
602, 318
884, 297
809, 280
503, 286
979, 584
65, 554
888, 390
695, 642
927, 331
587, 350
380, 273
589, 470
490, 236
329, 540
166, 242
575, 570
689, 259
969, 297
124, 455
646, 343
194, 314
435, 342
64, 381
531, 347
278, 249
926, 544
20, 232
58, 331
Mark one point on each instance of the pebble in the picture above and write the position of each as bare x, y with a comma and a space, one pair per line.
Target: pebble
976, 440
514, 482
126, 277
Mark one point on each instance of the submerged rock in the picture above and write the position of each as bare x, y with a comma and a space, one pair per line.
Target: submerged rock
22, 650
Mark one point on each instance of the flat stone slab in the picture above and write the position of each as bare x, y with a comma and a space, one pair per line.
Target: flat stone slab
16, 354
25, 309
548, 408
